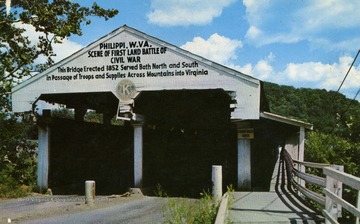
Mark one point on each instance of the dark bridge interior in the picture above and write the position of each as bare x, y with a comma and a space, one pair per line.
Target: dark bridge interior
185, 133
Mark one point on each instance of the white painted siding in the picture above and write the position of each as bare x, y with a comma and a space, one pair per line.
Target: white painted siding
146, 52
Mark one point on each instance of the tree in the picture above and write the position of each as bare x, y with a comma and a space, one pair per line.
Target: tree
18, 160
56, 20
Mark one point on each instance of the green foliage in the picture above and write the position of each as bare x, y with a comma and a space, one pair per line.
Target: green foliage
63, 113
327, 110
336, 120
160, 192
56, 20
18, 163
332, 149
90, 116
189, 211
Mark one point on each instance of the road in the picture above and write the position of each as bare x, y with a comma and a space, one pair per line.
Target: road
72, 209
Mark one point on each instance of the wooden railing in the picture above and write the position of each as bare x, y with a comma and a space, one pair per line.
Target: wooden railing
331, 184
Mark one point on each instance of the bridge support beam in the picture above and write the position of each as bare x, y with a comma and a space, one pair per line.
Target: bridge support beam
244, 164
43, 154
138, 153
245, 133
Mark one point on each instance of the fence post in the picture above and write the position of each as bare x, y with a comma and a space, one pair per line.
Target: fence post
339, 190
330, 206
301, 154
358, 206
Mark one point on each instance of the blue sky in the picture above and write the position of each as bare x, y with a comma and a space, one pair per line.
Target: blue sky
301, 43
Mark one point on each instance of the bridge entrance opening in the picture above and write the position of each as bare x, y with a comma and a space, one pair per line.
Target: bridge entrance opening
185, 133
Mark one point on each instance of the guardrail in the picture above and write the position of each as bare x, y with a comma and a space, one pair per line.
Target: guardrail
331, 184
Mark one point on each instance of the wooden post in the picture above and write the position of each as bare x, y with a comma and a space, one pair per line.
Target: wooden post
43, 154
138, 153
358, 207
330, 205
301, 153
339, 190
244, 164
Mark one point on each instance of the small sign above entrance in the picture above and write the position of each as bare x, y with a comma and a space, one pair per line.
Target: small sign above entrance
246, 133
126, 90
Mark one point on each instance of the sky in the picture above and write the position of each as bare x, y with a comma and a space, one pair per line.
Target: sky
300, 43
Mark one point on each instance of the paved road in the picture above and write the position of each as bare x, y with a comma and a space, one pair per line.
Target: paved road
146, 210
63, 209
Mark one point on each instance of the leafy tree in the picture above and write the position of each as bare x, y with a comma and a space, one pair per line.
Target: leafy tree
332, 149
18, 160
328, 111
56, 20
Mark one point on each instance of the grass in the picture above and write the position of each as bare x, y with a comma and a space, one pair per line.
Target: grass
191, 211
184, 210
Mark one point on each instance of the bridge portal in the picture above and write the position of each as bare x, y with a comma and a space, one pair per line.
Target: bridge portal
181, 114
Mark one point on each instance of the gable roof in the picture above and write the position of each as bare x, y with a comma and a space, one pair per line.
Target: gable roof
140, 34
150, 63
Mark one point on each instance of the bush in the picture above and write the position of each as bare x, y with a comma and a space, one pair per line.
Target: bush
18, 162
182, 210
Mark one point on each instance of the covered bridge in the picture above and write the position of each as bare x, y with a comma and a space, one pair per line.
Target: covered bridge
182, 113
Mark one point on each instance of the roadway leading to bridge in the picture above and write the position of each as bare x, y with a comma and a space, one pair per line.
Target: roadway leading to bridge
72, 209
270, 207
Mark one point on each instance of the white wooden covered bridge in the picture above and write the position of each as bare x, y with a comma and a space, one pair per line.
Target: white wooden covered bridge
182, 112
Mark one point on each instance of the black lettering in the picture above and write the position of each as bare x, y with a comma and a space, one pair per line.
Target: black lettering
159, 66
132, 44
134, 52
133, 59
137, 75
153, 50
118, 52
95, 54
88, 77
60, 77
190, 65
129, 67
117, 60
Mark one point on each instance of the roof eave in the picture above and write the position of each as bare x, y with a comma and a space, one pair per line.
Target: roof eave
286, 120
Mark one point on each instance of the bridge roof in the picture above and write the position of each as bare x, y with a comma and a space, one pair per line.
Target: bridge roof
150, 64
286, 120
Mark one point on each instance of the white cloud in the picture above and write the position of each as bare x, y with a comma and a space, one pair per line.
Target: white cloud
217, 48
255, 10
253, 33
348, 45
332, 24
328, 76
319, 15
309, 74
262, 70
61, 50
186, 12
